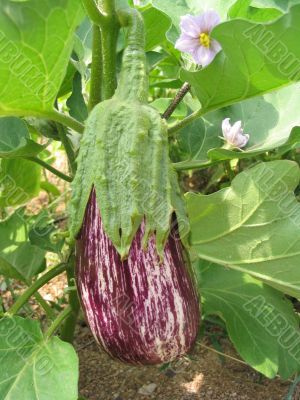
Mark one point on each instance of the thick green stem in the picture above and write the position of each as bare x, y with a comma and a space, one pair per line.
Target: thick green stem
96, 72
43, 280
62, 132
57, 322
68, 329
109, 37
109, 7
93, 12
50, 168
65, 120
108, 23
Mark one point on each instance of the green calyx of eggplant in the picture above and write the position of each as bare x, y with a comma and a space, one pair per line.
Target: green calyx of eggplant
124, 155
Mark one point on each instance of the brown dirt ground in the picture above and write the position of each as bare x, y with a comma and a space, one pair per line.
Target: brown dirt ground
204, 377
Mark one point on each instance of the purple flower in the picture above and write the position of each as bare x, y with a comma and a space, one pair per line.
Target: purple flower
234, 135
195, 37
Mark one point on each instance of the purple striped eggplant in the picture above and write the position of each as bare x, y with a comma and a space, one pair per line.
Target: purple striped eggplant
141, 310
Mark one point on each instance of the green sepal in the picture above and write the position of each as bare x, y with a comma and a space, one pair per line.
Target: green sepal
124, 154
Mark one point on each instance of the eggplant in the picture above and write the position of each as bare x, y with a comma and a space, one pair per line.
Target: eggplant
142, 310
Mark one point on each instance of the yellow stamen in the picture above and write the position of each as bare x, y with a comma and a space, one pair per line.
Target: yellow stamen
204, 39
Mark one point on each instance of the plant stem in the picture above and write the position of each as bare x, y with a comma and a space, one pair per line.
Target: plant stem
196, 164
229, 172
35, 287
62, 132
109, 36
177, 100
93, 12
50, 168
57, 322
186, 121
65, 120
96, 72
48, 310
68, 329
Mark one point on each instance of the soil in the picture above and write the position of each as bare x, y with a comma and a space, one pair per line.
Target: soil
204, 376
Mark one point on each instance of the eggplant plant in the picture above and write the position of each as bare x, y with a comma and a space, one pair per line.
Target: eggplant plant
179, 125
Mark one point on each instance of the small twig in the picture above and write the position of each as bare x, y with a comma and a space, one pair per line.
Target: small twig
222, 354
177, 100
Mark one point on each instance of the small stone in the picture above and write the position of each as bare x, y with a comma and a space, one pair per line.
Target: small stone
147, 390
170, 373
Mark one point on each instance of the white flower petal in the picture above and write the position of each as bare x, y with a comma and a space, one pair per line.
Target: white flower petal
226, 126
189, 26
236, 130
186, 45
234, 135
203, 55
242, 141
208, 20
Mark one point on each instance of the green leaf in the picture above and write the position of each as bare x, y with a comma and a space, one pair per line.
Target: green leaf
19, 181
283, 5
258, 318
76, 103
156, 26
67, 85
33, 368
42, 233
19, 259
33, 62
256, 59
243, 9
272, 121
252, 226
43, 127
15, 139
50, 188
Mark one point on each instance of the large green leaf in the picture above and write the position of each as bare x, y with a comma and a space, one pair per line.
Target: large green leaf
283, 5
19, 181
252, 226
256, 59
243, 9
18, 257
269, 120
33, 368
36, 40
15, 139
156, 26
258, 318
